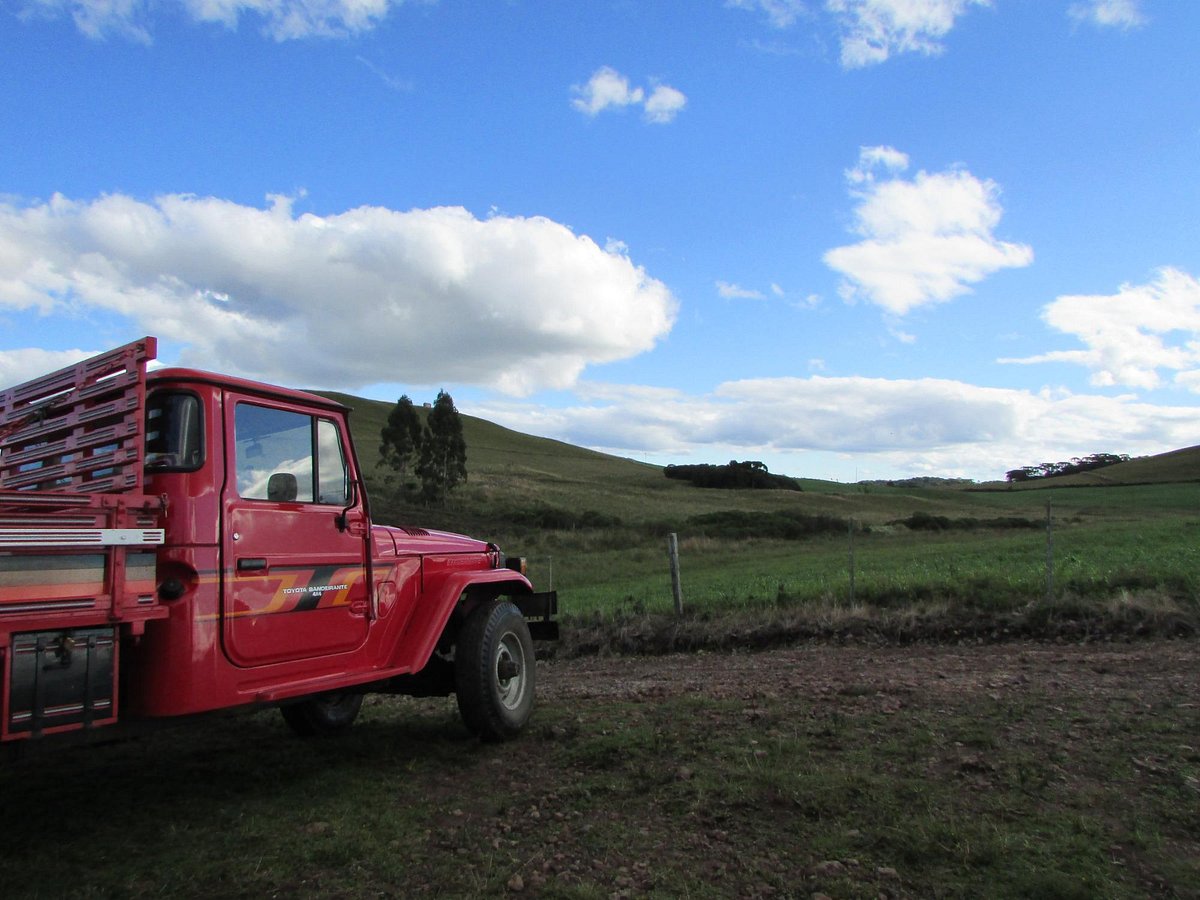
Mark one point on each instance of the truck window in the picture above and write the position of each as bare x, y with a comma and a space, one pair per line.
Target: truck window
288, 457
174, 432
332, 471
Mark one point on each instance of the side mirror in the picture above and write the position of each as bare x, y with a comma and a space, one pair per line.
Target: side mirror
343, 518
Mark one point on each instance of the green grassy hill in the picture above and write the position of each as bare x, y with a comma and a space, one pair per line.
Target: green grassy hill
1163, 468
518, 478
508, 470
512, 476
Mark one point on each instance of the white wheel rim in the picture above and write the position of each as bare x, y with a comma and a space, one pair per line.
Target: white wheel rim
510, 652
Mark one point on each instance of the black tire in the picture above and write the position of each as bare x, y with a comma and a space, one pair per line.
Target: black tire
494, 671
323, 715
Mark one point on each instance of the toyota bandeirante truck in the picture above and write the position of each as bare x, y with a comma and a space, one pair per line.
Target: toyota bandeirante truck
175, 542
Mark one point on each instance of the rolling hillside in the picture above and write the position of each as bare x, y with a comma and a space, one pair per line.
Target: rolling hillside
509, 462
518, 477
1173, 467
515, 477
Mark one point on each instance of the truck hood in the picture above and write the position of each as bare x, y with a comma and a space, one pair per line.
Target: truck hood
406, 541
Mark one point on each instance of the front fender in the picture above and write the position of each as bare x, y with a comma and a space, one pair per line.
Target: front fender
437, 605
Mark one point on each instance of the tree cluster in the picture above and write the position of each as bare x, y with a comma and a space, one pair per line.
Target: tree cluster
435, 453
1070, 467
735, 475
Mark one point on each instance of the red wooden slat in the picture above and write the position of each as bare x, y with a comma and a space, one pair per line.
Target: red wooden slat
58, 431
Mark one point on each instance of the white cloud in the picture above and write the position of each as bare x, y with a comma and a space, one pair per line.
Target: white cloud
1124, 14
873, 30
664, 104
280, 19
925, 240
609, 89
1131, 335
872, 158
779, 13
730, 291
918, 426
17, 366
365, 296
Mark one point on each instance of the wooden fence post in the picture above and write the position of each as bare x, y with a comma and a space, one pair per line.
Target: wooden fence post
676, 587
1049, 555
851, 529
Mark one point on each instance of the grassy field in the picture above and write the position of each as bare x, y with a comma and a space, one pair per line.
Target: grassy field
989, 570
595, 526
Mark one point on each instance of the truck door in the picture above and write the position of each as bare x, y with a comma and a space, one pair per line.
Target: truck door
294, 540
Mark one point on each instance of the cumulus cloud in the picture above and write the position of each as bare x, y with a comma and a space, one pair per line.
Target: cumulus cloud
917, 426
17, 366
280, 19
664, 104
1123, 14
365, 296
871, 158
1130, 336
609, 89
874, 30
925, 240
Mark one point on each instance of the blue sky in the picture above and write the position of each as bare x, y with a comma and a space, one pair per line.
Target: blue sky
850, 238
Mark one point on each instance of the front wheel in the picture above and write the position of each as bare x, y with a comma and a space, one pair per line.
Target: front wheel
324, 714
494, 671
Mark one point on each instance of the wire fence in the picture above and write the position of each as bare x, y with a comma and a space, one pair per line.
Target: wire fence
986, 567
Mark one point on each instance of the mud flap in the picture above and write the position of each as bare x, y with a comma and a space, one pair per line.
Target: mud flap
62, 679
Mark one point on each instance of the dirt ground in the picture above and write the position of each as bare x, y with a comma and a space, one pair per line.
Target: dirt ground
1098, 730
889, 677
830, 770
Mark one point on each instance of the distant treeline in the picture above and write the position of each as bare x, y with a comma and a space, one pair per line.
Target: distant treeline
730, 524
735, 475
921, 481
1071, 467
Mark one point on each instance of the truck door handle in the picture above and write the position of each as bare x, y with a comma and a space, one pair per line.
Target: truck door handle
252, 564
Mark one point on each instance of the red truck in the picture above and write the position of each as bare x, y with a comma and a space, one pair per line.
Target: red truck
175, 542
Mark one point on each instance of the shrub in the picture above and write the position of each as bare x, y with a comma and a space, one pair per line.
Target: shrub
778, 525
923, 521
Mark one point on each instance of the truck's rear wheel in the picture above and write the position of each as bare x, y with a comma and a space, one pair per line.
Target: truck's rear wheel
494, 671
324, 714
